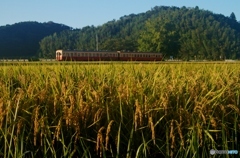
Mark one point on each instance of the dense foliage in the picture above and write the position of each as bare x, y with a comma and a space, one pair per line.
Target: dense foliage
186, 33
21, 40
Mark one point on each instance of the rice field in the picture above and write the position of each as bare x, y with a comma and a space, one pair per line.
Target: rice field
119, 109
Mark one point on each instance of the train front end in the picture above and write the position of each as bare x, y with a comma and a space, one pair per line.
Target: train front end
59, 54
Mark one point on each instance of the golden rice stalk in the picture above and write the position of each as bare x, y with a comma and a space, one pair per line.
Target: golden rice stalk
199, 130
19, 126
98, 115
172, 137
57, 131
85, 112
64, 89
36, 124
65, 114
234, 107
42, 129
180, 133
180, 116
108, 134
70, 110
100, 141
145, 106
138, 115
213, 123
165, 102
151, 125
55, 105
72, 100
96, 96
22, 79
222, 108
2, 113
30, 89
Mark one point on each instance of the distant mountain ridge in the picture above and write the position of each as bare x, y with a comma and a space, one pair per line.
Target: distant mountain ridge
184, 33
21, 40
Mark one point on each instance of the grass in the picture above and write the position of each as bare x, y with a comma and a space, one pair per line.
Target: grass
118, 109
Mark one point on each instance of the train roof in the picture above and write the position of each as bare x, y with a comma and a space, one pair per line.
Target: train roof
79, 51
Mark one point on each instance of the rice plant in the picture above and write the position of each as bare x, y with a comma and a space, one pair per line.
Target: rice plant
119, 109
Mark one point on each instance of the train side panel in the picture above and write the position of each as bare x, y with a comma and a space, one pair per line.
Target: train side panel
62, 55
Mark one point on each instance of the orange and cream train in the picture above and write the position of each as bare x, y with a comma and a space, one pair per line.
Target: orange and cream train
67, 55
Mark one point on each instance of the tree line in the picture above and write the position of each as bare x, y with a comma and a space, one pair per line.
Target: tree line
184, 33
21, 40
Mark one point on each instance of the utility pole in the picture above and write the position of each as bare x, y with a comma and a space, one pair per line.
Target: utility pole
96, 42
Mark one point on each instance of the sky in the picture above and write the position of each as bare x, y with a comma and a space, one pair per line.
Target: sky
79, 13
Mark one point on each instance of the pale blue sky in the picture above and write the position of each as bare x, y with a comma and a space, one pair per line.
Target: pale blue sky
79, 13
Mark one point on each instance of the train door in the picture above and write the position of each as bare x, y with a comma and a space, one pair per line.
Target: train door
118, 55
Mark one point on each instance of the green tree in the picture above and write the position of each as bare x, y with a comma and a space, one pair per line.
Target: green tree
160, 36
233, 17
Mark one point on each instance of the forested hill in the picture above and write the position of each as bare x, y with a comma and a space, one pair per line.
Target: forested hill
186, 33
21, 40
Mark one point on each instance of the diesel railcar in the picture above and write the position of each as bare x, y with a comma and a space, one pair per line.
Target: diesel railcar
66, 55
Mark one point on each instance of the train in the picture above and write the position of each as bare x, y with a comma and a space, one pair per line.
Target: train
74, 55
